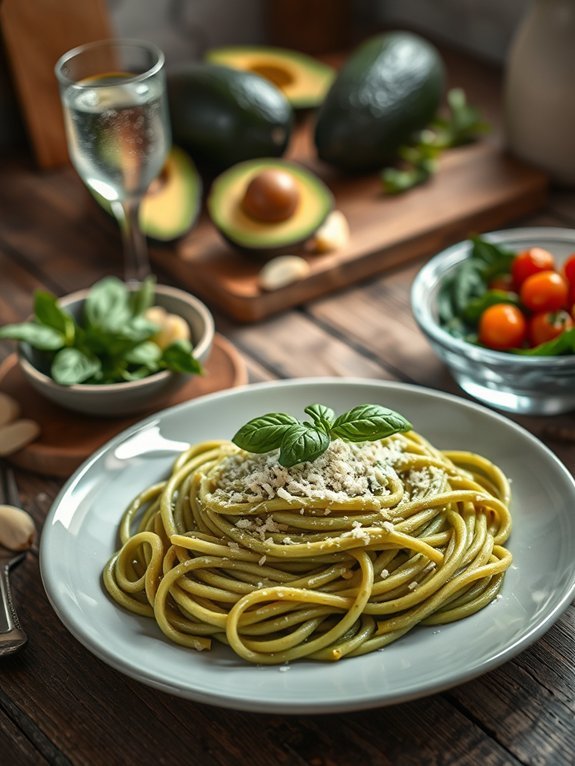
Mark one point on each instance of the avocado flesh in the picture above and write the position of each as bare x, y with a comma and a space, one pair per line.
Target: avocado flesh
225, 208
303, 80
390, 87
223, 116
173, 202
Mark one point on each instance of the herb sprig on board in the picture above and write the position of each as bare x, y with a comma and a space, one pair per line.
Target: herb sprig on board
112, 342
461, 124
301, 441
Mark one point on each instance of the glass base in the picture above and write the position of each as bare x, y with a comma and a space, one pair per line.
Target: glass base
518, 403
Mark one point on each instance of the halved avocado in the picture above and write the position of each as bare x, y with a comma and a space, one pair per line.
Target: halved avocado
303, 80
226, 209
173, 202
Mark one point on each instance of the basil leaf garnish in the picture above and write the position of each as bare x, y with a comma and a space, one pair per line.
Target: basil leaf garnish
321, 415
369, 422
302, 443
265, 433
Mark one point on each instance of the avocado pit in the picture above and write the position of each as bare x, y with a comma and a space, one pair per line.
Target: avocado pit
271, 196
278, 75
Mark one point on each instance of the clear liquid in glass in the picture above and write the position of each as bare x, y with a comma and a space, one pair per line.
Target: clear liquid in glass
118, 133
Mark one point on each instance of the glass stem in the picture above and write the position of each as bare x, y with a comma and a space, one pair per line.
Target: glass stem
136, 262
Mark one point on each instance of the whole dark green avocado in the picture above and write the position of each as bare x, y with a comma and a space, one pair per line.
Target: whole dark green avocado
389, 87
223, 116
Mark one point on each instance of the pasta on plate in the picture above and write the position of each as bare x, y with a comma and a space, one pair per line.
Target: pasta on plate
323, 560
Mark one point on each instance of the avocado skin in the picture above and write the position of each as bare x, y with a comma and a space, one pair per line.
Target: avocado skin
390, 87
223, 116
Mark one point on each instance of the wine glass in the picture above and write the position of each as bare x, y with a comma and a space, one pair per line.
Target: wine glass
116, 115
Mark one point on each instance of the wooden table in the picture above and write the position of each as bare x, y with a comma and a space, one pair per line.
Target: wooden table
61, 705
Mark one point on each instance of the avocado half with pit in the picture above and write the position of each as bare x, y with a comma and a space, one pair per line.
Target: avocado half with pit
227, 209
172, 204
303, 80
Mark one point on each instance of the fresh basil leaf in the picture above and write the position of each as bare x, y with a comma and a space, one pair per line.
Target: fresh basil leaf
321, 415
137, 374
477, 306
399, 180
445, 307
458, 328
143, 298
368, 422
71, 366
37, 335
179, 357
107, 304
469, 283
138, 329
302, 443
465, 122
147, 354
264, 433
562, 344
49, 313
494, 259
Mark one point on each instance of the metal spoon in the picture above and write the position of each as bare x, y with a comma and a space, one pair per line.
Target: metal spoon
12, 636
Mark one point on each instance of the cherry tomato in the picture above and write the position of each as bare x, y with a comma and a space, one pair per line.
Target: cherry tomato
502, 326
569, 269
545, 291
530, 262
547, 325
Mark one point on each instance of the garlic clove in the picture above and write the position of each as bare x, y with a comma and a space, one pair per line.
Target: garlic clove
332, 235
282, 271
156, 315
16, 435
9, 409
173, 328
17, 528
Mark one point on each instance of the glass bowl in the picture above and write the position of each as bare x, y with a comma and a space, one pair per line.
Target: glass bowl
119, 399
518, 384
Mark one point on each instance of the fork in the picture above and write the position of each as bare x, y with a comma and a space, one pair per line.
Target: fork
12, 636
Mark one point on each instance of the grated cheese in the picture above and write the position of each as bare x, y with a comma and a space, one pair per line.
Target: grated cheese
345, 470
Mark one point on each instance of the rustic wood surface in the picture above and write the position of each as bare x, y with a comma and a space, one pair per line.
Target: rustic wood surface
60, 705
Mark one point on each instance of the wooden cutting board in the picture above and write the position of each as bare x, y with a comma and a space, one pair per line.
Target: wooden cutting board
477, 188
68, 438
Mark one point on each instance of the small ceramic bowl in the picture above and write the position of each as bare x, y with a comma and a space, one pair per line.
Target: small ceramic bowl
117, 399
513, 383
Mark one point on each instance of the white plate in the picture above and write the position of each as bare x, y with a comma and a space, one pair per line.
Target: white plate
80, 535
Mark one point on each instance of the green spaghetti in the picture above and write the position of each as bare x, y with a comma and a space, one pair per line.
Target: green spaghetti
326, 559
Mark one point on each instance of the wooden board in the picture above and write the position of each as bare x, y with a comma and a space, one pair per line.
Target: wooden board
477, 188
36, 34
67, 438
